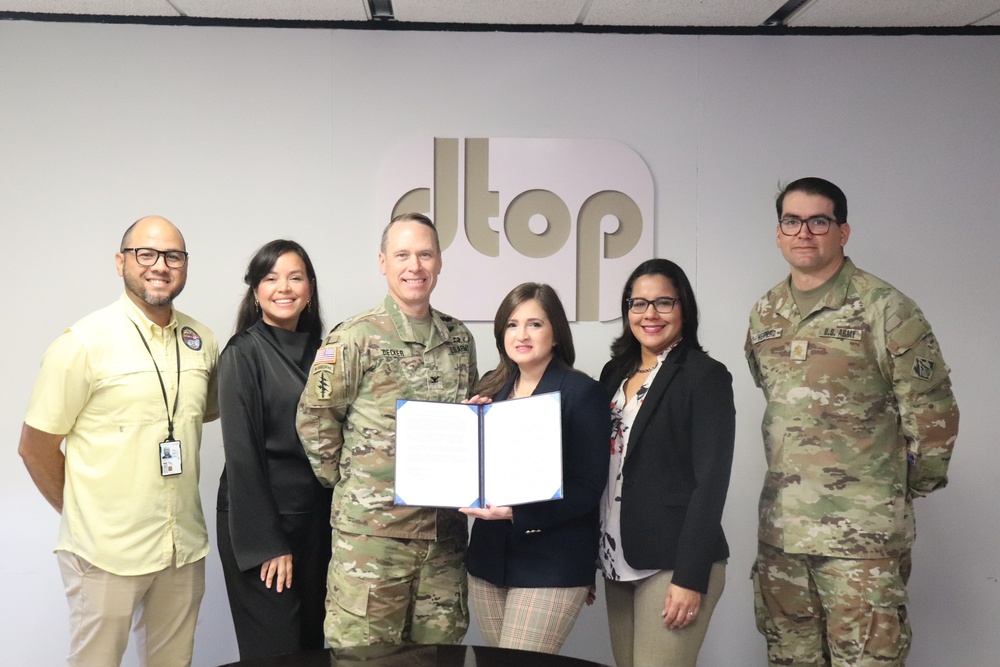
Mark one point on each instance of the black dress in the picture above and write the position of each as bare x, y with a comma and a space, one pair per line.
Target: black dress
270, 502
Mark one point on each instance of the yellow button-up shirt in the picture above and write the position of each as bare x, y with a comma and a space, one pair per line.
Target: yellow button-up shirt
98, 385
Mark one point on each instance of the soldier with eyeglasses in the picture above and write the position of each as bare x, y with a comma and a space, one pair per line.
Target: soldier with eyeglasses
860, 420
128, 388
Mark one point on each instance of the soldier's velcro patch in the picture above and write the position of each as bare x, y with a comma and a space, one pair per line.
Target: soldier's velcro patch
923, 368
326, 354
320, 381
761, 336
842, 333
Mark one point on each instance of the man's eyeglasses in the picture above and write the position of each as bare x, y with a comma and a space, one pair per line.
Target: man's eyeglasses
663, 305
818, 225
174, 259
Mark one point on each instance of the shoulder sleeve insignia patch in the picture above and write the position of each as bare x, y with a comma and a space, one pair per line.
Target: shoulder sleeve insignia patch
923, 368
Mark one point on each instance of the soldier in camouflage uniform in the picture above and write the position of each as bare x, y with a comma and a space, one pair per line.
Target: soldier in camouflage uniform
860, 419
397, 574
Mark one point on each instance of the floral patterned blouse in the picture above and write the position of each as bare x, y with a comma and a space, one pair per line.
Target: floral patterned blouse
622, 415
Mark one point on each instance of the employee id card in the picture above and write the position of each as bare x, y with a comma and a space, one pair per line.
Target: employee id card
170, 458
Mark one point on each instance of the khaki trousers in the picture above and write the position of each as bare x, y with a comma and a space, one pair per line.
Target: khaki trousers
161, 607
638, 636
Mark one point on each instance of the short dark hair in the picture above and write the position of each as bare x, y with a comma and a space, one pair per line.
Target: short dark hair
562, 337
260, 265
812, 185
626, 349
411, 217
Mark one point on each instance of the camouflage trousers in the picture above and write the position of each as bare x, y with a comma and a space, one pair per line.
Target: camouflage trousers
383, 590
832, 612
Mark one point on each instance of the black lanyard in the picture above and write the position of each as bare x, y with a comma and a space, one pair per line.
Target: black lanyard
163, 388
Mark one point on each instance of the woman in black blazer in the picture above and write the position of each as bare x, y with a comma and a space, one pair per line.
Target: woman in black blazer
273, 516
531, 566
663, 551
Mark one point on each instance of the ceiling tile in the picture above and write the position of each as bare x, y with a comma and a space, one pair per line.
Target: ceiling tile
524, 12
289, 10
92, 7
892, 13
681, 12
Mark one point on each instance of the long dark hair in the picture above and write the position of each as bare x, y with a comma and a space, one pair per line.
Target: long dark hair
561, 336
625, 349
260, 265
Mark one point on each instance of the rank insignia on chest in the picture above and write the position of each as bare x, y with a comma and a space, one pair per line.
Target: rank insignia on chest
923, 368
799, 351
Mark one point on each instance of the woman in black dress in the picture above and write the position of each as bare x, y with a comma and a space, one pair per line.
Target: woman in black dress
273, 514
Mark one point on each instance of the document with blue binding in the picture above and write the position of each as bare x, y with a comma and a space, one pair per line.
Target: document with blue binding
456, 455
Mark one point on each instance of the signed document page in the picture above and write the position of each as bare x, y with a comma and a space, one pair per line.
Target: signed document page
522, 450
454, 455
437, 454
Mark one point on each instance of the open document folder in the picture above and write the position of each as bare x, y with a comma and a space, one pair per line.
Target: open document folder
455, 455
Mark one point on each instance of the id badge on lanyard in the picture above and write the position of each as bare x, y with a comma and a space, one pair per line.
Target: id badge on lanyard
171, 462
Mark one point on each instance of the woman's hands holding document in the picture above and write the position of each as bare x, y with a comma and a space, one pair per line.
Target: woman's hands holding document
490, 513
477, 400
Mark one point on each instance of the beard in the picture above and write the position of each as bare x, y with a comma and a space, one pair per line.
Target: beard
136, 285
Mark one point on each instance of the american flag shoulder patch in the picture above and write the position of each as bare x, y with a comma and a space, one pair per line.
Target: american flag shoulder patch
327, 355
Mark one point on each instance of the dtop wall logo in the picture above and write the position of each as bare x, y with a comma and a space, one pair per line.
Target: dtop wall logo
574, 213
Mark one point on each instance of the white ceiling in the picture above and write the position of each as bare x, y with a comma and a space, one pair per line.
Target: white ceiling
647, 14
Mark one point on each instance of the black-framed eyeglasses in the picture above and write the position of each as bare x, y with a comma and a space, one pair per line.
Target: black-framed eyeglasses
662, 305
818, 225
174, 259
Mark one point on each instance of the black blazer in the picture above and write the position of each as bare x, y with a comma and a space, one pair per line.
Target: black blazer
267, 474
676, 471
553, 544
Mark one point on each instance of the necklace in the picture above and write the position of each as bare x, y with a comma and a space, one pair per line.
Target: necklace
513, 392
647, 370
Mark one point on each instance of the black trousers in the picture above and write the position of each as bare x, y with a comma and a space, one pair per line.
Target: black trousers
268, 623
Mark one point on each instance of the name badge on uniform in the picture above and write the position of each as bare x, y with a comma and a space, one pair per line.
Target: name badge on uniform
761, 336
170, 458
800, 348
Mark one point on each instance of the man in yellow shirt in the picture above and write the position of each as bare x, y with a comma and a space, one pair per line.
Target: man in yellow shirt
128, 388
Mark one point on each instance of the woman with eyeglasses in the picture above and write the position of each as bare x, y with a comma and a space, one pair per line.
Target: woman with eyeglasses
531, 567
273, 516
662, 549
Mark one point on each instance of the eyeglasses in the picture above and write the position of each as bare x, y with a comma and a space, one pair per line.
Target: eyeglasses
818, 225
663, 305
174, 259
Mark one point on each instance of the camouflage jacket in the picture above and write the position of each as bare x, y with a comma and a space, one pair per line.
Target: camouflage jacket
347, 415
860, 417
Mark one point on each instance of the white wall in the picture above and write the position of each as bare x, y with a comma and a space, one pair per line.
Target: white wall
244, 135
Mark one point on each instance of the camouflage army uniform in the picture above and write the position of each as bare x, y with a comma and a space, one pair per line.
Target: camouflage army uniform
398, 573
860, 418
